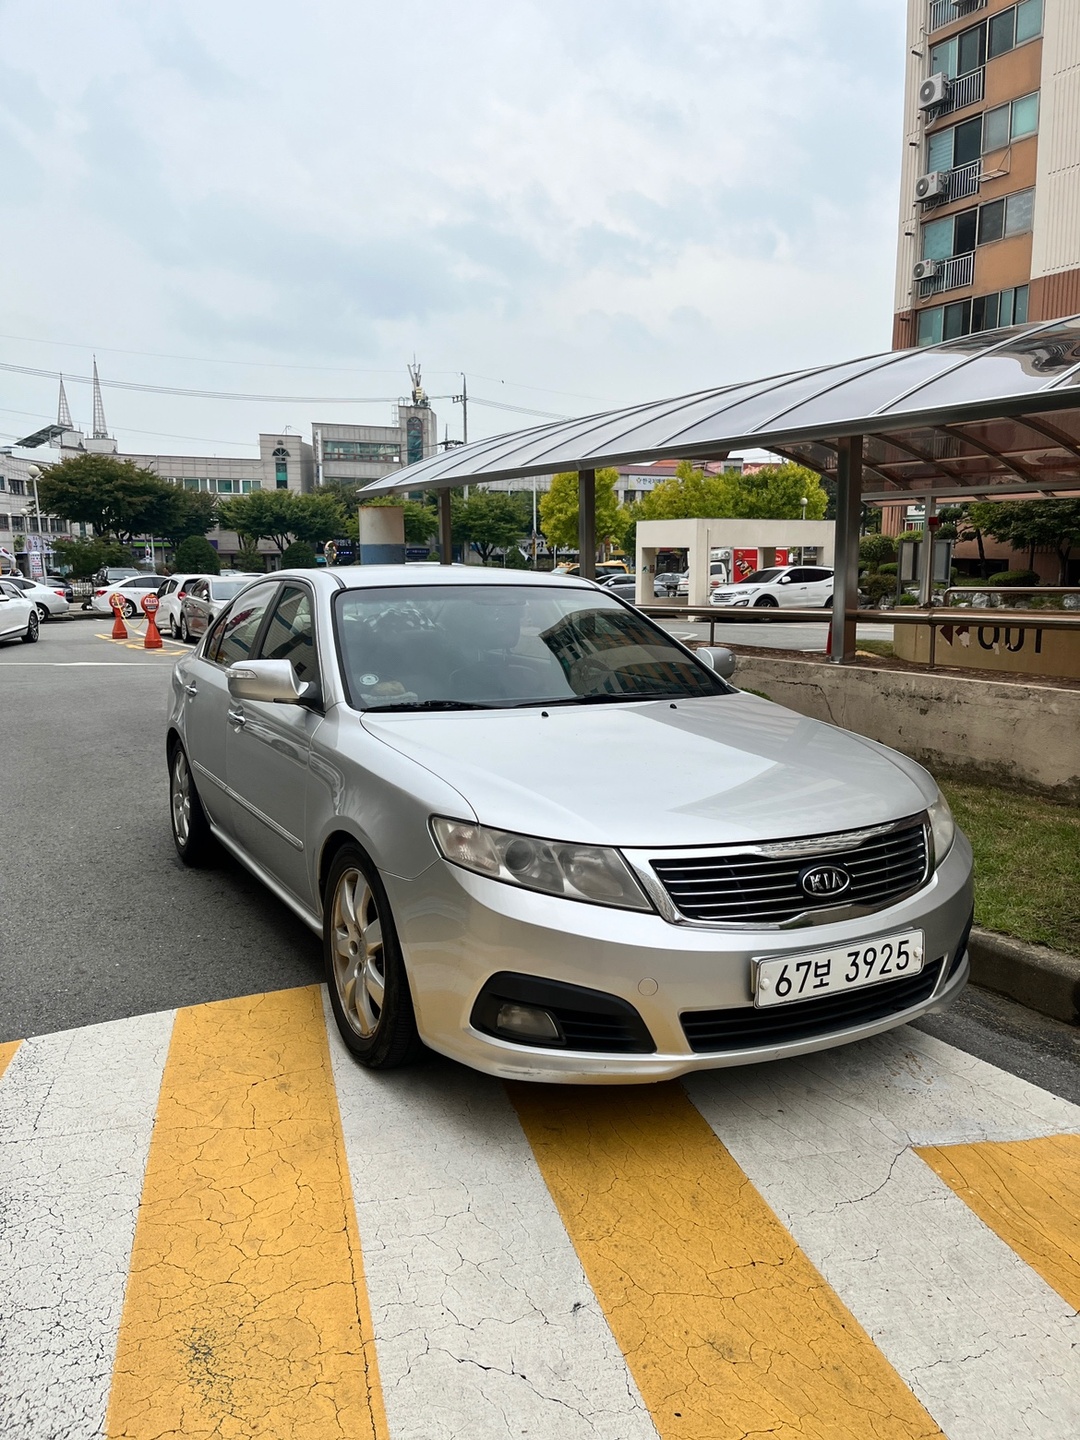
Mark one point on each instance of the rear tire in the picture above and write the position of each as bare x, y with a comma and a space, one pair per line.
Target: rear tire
828, 604
365, 972
191, 832
33, 628
129, 610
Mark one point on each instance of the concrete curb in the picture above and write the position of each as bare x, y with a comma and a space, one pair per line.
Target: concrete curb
1042, 979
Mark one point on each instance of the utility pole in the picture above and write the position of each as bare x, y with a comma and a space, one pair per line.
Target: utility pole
463, 401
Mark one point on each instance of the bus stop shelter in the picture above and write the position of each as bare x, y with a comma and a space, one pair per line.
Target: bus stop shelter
987, 416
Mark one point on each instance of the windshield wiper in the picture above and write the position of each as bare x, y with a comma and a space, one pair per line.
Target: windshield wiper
431, 705
601, 699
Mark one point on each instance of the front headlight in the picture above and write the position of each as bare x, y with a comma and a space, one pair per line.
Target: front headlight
576, 872
942, 828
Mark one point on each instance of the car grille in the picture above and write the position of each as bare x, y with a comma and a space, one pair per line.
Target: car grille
748, 889
747, 1028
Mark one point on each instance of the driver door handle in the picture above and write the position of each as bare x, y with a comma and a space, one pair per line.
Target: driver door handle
191, 688
237, 717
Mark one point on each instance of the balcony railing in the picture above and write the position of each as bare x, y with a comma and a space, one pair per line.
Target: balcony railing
964, 180
952, 274
944, 12
967, 89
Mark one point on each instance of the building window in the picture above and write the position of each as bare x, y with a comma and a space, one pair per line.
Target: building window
955, 235
1013, 27
965, 317
960, 54
1006, 123
17, 487
1012, 215
3, 483
414, 435
959, 145
380, 451
5, 520
281, 474
224, 487
248, 487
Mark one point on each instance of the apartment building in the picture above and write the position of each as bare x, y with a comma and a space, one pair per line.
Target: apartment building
990, 188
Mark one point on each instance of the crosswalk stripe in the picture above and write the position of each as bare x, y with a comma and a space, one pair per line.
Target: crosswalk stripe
7, 1054
727, 1328
1028, 1192
829, 1139
246, 1313
76, 1112
487, 1328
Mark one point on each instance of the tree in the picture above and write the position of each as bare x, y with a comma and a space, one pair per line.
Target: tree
84, 558
117, 497
490, 520
559, 509
1032, 525
298, 556
249, 559
775, 492
196, 556
262, 515
186, 513
877, 549
317, 517
421, 520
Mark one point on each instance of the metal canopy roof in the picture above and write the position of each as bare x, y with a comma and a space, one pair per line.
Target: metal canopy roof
997, 412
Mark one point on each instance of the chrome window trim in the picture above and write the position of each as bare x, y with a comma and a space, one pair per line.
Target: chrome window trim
640, 861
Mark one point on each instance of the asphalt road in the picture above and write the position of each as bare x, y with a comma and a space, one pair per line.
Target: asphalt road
100, 921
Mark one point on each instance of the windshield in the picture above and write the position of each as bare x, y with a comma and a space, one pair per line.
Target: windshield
226, 589
464, 647
761, 577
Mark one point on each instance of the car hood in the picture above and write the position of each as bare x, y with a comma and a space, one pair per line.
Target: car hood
707, 772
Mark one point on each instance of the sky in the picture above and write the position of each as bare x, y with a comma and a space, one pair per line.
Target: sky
578, 203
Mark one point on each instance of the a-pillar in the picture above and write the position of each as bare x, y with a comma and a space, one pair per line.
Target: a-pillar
446, 536
846, 561
586, 524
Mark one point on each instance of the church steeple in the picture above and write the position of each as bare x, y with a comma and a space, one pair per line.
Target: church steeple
101, 431
63, 414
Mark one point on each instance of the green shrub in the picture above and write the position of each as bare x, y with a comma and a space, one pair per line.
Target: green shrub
250, 559
298, 556
875, 587
196, 556
889, 568
1014, 577
906, 599
874, 549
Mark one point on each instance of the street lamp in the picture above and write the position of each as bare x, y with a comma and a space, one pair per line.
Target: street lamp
804, 502
34, 472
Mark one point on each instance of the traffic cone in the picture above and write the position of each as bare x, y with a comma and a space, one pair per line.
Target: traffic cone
119, 629
153, 635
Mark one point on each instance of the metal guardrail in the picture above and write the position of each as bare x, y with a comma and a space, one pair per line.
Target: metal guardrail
952, 275
944, 12
935, 618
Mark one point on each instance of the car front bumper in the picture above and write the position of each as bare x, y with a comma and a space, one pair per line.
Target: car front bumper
458, 930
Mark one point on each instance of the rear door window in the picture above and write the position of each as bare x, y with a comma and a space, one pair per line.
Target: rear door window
233, 637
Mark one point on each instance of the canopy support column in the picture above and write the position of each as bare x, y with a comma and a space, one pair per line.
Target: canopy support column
446, 541
586, 524
846, 561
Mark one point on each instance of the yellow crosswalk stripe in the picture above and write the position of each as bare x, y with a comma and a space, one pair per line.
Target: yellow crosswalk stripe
727, 1328
246, 1312
7, 1053
1028, 1192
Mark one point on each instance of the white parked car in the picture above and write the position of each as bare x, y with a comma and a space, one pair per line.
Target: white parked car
171, 593
49, 601
132, 589
19, 619
718, 572
794, 587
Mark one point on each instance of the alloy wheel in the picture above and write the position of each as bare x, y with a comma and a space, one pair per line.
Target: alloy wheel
180, 798
358, 953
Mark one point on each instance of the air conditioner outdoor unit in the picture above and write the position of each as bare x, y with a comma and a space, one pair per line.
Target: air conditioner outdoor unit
934, 92
926, 269
934, 186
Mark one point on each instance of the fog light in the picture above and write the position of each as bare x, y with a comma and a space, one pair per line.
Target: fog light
527, 1020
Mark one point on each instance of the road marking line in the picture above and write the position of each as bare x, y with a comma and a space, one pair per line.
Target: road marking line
246, 1312
486, 1324
76, 1113
1028, 1192
7, 1054
828, 1139
163, 649
727, 1327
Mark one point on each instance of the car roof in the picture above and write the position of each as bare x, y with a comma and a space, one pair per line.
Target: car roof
365, 577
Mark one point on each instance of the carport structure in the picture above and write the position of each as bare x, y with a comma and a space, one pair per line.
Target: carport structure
989, 415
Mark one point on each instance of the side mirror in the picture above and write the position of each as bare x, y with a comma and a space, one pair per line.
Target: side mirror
273, 681
718, 658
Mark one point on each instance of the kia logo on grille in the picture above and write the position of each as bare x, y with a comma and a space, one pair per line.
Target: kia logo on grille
824, 881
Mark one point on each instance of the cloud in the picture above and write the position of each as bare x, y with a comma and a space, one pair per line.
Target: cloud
617, 199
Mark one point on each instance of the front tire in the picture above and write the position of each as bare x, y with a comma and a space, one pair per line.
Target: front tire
766, 602
43, 613
191, 832
185, 633
365, 972
33, 628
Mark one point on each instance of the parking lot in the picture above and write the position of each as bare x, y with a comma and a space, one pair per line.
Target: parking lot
228, 1228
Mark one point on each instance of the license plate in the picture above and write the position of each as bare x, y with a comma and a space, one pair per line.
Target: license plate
848, 967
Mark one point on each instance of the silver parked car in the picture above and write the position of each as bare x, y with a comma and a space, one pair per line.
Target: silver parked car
540, 836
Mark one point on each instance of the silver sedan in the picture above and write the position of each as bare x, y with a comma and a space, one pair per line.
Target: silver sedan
539, 835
